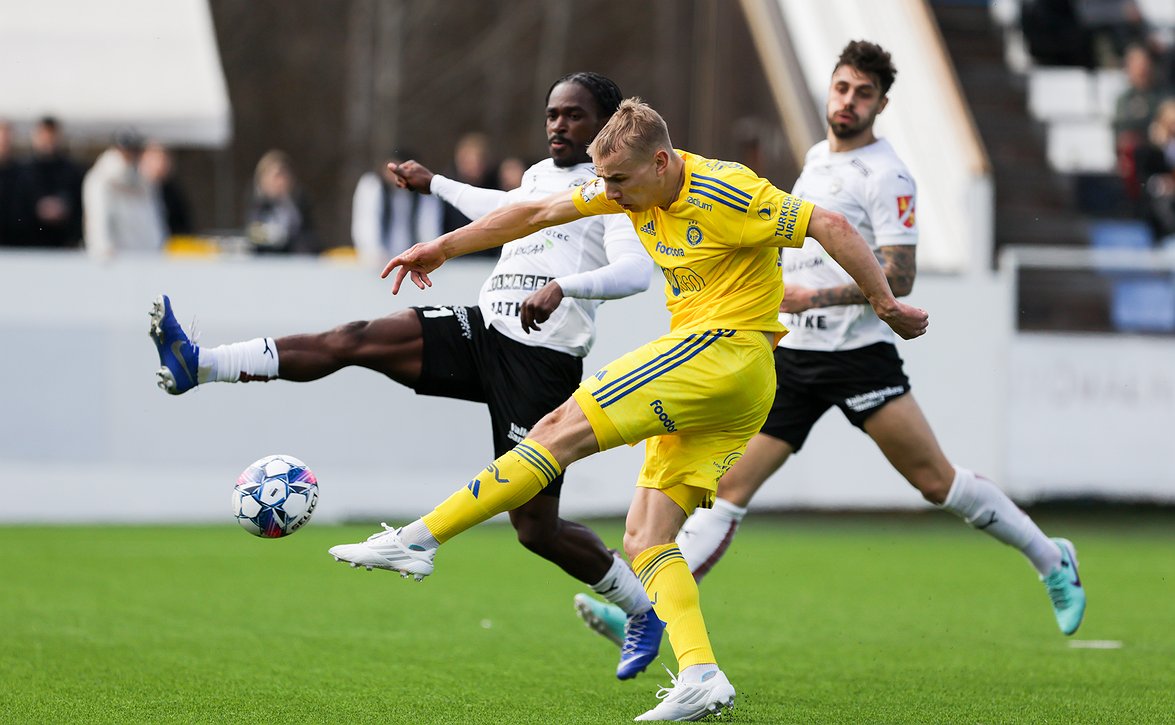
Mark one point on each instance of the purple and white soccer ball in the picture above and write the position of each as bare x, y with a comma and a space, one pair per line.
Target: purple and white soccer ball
275, 496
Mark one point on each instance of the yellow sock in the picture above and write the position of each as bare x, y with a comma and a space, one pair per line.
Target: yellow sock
507, 483
674, 594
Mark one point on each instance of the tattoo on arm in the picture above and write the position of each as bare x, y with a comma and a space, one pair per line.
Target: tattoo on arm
897, 262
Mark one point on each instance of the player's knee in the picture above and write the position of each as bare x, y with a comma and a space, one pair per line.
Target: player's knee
636, 542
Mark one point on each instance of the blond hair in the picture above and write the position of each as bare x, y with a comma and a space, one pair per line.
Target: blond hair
635, 127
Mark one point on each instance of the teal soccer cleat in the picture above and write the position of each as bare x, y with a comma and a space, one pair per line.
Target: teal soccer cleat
1065, 590
606, 620
178, 355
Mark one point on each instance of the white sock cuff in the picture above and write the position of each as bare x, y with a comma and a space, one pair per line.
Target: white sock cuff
254, 359
621, 587
728, 510
958, 498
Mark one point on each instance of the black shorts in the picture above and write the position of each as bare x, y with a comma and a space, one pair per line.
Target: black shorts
809, 382
519, 383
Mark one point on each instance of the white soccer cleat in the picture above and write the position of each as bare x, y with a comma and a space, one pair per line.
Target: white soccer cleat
384, 550
689, 701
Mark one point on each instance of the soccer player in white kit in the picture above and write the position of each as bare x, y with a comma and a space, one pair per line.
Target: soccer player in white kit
520, 350
838, 353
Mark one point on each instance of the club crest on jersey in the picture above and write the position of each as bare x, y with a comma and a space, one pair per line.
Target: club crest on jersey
906, 211
693, 235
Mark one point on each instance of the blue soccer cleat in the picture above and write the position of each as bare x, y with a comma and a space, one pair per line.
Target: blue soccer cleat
178, 356
642, 641
1065, 590
638, 635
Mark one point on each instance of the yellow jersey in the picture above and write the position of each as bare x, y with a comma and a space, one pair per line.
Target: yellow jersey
717, 244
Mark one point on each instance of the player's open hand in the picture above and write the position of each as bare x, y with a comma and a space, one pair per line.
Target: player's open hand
538, 306
417, 261
411, 175
906, 320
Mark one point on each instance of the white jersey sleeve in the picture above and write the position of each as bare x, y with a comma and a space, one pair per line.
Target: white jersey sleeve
472, 201
628, 270
890, 210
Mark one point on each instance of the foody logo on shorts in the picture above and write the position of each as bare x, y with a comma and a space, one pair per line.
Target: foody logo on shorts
659, 409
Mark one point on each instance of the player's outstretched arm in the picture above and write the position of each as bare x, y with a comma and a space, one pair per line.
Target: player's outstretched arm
472, 201
897, 263
850, 250
492, 230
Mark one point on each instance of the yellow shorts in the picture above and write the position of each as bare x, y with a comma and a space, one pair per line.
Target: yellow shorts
696, 397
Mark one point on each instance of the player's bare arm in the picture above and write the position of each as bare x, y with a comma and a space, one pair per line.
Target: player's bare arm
850, 250
412, 176
492, 230
897, 264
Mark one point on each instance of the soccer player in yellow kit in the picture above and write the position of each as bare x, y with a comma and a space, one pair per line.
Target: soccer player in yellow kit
696, 394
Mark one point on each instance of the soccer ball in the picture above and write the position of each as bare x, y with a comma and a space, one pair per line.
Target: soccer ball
275, 496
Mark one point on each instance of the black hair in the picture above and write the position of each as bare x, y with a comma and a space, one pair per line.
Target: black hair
870, 59
603, 89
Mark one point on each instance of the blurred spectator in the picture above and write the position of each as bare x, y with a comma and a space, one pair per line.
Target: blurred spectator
510, 173
56, 188
15, 203
1133, 112
121, 213
1054, 33
158, 167
278, 219
386, 220
1156, 170
471, 165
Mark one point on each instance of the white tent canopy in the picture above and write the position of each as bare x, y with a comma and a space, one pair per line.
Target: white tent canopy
97, 66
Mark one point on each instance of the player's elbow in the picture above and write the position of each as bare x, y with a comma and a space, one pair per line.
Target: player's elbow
829, 227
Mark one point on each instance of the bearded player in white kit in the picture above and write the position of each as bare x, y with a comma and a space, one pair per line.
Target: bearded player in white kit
838, 353
520, 350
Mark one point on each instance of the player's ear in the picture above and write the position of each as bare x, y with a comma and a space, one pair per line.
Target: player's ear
661, 161
884, 102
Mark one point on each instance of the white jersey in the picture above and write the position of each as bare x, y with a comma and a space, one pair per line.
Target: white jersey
875, 192
593, 259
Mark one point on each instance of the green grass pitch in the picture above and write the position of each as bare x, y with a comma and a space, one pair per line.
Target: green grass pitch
816, 619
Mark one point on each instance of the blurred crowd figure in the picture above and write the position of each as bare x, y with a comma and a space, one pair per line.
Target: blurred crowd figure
121, 209
278, 218
385, 219
40, 198
1115, 34
158, 168
510, 172
56, 187
128, 199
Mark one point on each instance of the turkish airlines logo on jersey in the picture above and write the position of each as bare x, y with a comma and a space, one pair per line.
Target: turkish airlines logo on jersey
906, 211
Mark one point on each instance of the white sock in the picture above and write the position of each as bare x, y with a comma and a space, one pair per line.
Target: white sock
254, 359
417, 534
621, 587
982, 504
697, 673
707, 534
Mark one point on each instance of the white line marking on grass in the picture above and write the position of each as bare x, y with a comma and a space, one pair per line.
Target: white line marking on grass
1095, 644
